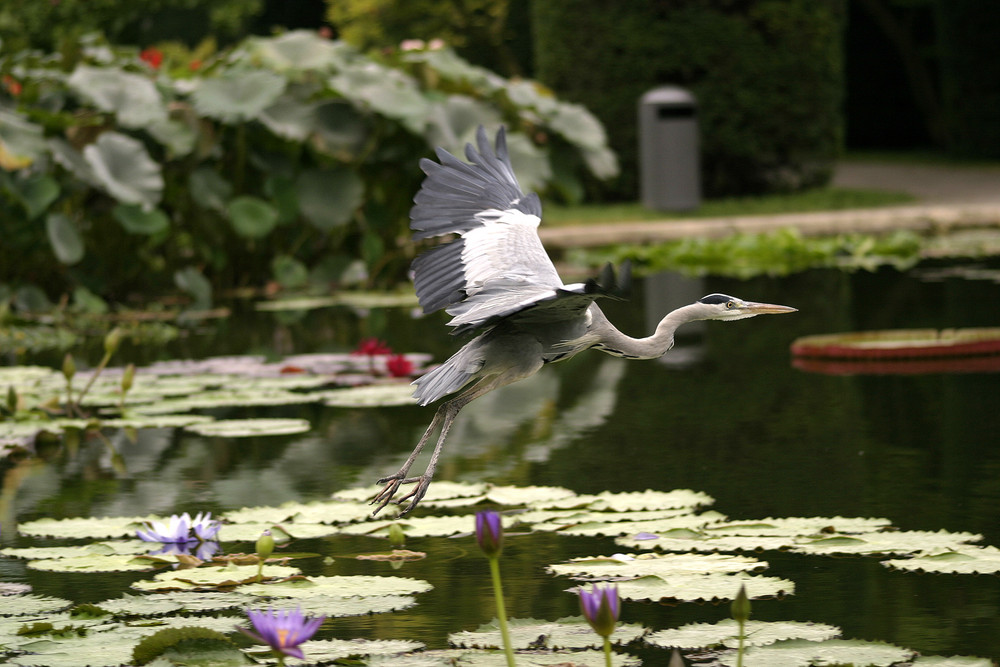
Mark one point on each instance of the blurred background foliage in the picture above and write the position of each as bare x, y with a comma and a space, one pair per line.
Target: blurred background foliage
153, 144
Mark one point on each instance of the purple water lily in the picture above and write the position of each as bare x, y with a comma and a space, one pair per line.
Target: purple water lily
283, 631
181, 529
489, 532
600, 607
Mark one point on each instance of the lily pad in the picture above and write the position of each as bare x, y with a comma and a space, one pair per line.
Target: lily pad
32, 605
887, 542
328, 512
665, 566
802, 653
425, 526
325, 651
571, 632
707, 587
245, 428
342, 606
963, 560
650, 500
726, 633
158, 604
91, 527
484, 658
212, 578
373, 395
799, 526
338, 586
616, 528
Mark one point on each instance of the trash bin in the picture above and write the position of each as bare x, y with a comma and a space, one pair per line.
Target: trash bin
670, 178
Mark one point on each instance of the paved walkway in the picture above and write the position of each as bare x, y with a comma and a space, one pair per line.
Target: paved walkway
947, 198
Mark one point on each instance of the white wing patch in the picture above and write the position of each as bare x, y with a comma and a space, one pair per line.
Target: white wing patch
506, 268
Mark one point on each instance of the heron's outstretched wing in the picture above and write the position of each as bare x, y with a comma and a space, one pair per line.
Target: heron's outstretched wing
497, 265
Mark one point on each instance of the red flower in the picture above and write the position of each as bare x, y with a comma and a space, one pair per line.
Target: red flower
399, 366
194, 65
152, 56
12, 85
371, 346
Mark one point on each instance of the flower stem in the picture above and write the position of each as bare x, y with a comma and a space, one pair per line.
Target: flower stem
607, 652
739, 650
501, 612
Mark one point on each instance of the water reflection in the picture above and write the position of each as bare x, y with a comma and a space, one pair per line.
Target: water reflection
734, 419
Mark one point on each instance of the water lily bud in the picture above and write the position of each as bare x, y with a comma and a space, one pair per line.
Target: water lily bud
397, 537
265, 545
69, 366
489, 533
112, 340
128, 377
600, 607
740, 607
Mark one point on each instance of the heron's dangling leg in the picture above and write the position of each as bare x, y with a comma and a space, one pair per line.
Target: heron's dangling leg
444, 417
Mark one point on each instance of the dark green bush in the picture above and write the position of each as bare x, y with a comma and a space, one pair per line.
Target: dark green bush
767, 75
291, 159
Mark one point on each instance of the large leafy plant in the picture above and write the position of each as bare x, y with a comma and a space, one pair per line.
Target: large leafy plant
290, 159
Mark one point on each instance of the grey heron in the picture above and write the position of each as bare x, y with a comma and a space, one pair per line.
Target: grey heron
495, 277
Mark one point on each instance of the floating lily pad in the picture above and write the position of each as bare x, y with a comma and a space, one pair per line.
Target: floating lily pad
527, 495
340, 606
952, 661
616, 528
338, 586
708, 587
328, 512
326, 651
799, 526
571, 632
726, 633
497, 658
96, 563
802, 653
665, 566
887, 542
212, 578
650, 500
91, 528
695, 540
964, 560
31, 605
425, 526
158, 604
245, 428
386, 394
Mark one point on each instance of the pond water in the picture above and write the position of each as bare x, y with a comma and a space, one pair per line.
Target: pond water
725, 413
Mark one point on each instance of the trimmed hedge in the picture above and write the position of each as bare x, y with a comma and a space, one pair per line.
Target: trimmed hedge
767, 75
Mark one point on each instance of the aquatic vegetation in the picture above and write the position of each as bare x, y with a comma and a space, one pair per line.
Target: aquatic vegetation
489, 537
284, 631
670, 566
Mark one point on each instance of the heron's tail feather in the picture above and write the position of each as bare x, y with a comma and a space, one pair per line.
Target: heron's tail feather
449, 377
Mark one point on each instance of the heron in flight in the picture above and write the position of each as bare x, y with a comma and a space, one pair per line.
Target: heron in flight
494, 277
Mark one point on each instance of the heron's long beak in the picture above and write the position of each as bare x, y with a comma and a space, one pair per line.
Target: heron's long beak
766, 308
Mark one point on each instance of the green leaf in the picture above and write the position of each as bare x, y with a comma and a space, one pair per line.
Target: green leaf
124, 169
177, 136
571, 632
245, 428
192, 281
726, 633
387, 91
21, 142
802, 653
65, 238
289, 272
209, 189
238, 95
299, 50
36, 193
329, 198
340, 131
189, 646
707, 587
137, 220
133, 98
665, 565
251, 216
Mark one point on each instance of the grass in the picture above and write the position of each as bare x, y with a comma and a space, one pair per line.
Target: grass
822, 199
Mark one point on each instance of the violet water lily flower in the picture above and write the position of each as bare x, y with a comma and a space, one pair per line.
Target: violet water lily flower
181, 529
600, 607
283, 631
489, 533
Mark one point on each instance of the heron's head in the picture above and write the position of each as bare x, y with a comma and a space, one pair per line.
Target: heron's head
725, 307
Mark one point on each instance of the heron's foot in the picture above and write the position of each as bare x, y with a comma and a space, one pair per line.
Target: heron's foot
392, 484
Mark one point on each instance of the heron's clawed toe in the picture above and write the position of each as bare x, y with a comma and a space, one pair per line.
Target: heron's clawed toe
416, 495
384, 497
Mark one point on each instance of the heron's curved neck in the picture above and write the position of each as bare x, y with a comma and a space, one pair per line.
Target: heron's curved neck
613, 341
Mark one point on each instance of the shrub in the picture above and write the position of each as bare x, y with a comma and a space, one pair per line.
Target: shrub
766, 73
291, 158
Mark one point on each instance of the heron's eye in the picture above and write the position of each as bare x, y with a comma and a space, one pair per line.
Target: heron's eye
730, 305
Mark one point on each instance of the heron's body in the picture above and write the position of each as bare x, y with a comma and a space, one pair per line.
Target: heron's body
496, 278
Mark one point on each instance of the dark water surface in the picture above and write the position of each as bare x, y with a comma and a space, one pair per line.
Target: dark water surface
725, 413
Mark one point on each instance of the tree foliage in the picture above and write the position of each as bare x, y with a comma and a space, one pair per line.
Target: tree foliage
123, 172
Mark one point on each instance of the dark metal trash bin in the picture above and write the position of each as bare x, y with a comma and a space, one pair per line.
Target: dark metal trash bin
670, 178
